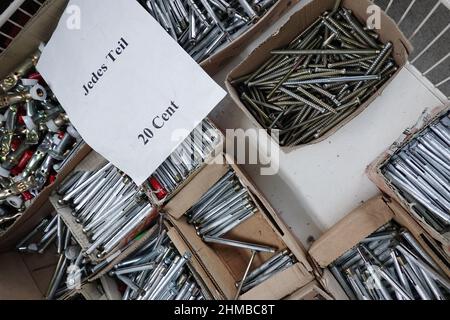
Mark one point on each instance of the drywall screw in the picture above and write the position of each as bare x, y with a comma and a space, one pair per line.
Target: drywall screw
317, 100
310, 59
325, 52
357, 28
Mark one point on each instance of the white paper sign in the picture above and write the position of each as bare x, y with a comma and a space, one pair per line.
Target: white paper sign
125, 83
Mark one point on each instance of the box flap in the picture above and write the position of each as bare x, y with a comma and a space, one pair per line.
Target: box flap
280, 285
349, 231
182, 247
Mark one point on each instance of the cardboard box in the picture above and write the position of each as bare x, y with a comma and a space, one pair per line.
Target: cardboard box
104, 289
312, 291
375, 174
361, 223
298, 22
226, 266
40, 28
92, 162
40, 206
88, 292
26, 277
122, 254
200, 276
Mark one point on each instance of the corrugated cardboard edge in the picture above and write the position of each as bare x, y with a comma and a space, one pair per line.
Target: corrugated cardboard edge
206, 257
331, 285
21, 274
359, 224
350, 230
280, 284
40, 206
328, 281
217, 61
312, 291
38, 29
373, 171
110, 287
389, 32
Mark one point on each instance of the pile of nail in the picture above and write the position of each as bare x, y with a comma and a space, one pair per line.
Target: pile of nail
72, 268
203, 27
36, 140
107, 204
421, 173
390, 265
279, 262
157, 272
321, 78
185, 160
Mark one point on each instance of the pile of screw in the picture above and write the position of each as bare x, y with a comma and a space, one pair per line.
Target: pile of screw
390, 265
320, 79
279, 262
36, 140
203, 27
421, 172
185, 160
157, 272
107, 204
71, 270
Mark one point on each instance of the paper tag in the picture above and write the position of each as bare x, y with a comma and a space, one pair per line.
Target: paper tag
126, 85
